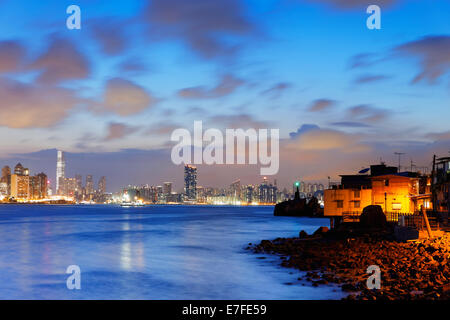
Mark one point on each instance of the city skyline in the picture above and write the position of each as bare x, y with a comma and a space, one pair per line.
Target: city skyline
335, 89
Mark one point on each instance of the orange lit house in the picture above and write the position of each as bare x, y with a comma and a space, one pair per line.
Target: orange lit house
395, 193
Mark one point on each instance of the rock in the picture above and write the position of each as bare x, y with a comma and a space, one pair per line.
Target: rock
446, 288
321, 231
372, 217
303, 234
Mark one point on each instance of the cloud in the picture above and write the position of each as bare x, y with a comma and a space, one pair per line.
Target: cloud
303, 129
321, 105
12, 54
370, 79
227, 86
133, 66
439, 136
433, 53
33, 106
125, 98
316, 139
277, 89
118, 131
243, 121
62, 61
356, 4
163, 129
362, 60
201, 24
367, 113
109, 34
350, 124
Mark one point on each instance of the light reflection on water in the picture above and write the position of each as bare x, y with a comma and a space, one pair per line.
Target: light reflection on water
157, 252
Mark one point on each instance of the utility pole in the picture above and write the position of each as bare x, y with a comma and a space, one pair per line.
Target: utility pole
412, 165
399, 154
433, 184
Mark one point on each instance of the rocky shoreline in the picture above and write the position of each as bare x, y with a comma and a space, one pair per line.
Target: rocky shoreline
411, 270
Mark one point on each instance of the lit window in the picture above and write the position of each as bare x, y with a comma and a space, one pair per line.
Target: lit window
396, 206
340, 204
357, 194
357, 204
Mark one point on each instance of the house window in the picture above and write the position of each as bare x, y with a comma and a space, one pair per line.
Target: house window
340, 204
357, 194
386, 182
396, 206
357, 204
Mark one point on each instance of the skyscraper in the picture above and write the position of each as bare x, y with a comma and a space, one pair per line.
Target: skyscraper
6, 180
89, 184
20, 170
38, 186
167, 188
79, 179
190, 182
60, 171
235, 190
102, 185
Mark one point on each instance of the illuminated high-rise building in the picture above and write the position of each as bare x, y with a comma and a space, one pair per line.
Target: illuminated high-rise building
190, 182
69, 187
5, 180
20, 186
38, 186
79, 179
167, 188
20, 170
235, 190
60, 171
102, 185
89, 184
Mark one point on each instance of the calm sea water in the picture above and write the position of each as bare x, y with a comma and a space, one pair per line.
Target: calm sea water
156, 252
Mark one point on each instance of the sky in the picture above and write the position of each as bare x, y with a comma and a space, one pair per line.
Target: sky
111, 93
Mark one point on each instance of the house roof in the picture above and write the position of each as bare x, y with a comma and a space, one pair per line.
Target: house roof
393, 176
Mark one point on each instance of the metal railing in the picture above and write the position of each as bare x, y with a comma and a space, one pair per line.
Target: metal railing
407, 219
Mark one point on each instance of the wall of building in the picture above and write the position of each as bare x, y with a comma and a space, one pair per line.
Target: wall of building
394, 195
338, 201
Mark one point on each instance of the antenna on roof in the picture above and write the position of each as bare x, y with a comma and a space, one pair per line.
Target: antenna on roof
399, 154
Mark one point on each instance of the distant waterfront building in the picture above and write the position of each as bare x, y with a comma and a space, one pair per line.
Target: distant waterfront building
102, 185
267, 193
250, 195
190, 182
3, 190
70, 187
38, 186
167, 188
60, 171
20, 170
235, 190
79, 179
89, 185
20, 186
6, 181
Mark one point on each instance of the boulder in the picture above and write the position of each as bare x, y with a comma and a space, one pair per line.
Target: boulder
372, 217
303, 234
321, 231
